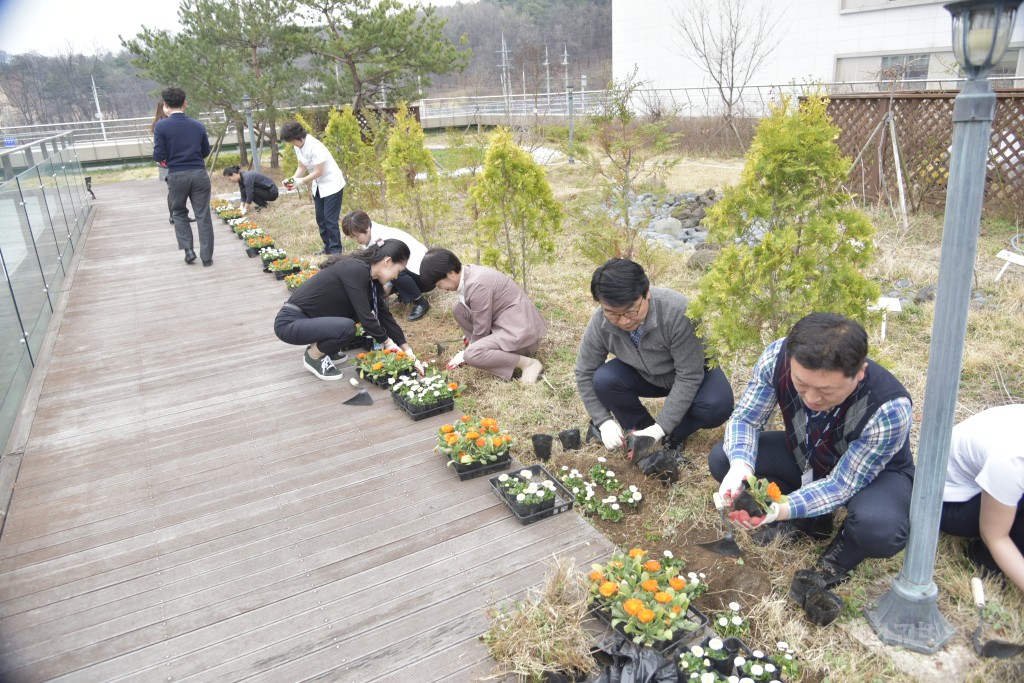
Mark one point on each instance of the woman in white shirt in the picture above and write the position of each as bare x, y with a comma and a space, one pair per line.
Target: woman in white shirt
983, 497
358, 226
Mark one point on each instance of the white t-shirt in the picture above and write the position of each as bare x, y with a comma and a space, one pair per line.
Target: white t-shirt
311, 154
417, 250
987, 453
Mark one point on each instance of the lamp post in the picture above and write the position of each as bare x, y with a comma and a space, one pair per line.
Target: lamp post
907, 615
247, 106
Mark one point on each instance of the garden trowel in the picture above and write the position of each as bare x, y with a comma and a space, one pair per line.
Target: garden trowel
362, 397
998, 649
726, 545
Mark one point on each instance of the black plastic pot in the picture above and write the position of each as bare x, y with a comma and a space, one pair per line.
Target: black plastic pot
570, 439
803, 581
542, 446
822, 606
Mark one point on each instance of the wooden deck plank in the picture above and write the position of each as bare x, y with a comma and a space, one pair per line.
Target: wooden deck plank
192, 503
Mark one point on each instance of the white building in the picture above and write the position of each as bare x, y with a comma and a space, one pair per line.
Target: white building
819, 40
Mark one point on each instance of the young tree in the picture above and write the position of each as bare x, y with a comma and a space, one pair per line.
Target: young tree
344, 137
629, 150
729, 40
412, 178
792, 240
379, 49
519, 218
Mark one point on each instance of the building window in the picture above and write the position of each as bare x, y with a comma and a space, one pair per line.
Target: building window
903, 67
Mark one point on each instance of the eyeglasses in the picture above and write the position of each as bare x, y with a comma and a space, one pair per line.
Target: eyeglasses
631, 313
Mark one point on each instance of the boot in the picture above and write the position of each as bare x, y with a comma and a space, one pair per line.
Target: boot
830, 566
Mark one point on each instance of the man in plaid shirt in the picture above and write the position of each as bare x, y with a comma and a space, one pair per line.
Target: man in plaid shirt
846, 442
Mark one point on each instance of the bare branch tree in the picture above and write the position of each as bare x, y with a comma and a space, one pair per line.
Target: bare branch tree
728, 40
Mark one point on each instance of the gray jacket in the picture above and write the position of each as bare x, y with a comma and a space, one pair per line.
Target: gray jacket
670, 356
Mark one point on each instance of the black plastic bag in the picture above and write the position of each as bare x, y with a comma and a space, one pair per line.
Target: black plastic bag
632, 663
660, 464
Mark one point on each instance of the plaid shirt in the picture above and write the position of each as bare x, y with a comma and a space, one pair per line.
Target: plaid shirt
881, 438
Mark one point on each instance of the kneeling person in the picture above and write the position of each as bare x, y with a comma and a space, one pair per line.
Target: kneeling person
502, 327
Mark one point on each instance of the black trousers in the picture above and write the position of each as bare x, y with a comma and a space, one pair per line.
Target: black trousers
330, 335
963, 519
620, 387
877, 517
409, 286
261, 195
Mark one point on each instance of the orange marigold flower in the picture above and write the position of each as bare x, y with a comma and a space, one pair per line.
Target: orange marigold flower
447, 429
633, 606
498, 443
609, 588
662, 597
652, 565
464, 418
452, 439
645, 616
492, 429
617, 564
472, 435
453, 386
677, 609
481, 442
597, 575
506, 438
677, 583
399, 354
774, 492
376, 366
360, 356
650, 585
637, 553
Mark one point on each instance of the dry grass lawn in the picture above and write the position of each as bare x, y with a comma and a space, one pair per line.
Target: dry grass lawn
678, 517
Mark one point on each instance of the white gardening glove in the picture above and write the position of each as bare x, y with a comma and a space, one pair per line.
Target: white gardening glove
611, 435
654, 431
391, 346
773, 514
456, 361
243, 209
410, 355
732, 482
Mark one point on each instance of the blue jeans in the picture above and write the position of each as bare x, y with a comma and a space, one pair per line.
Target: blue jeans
328, 210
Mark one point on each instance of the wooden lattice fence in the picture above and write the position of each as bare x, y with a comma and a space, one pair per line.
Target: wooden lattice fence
923, 122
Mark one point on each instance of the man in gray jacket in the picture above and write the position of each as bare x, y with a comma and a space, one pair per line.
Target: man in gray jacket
657, 354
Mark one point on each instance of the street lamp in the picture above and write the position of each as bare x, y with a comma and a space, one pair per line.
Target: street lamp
907, 615
569, 95
247, 106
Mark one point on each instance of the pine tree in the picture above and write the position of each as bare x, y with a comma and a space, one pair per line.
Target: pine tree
344, 137
519, 218
792, 240
411, 173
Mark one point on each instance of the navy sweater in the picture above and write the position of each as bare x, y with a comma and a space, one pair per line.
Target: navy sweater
181, 142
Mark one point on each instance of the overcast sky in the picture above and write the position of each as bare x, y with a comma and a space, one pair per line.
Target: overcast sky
49, 26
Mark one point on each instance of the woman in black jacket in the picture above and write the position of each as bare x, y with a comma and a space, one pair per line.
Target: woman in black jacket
253, 187
323, 312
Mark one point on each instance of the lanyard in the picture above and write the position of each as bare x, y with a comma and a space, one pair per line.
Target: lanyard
830, 420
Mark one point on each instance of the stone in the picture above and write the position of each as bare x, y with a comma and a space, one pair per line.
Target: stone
925, 294
668, 226
903, 284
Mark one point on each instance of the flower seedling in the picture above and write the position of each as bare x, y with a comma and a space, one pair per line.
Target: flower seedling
525, 489
730, 624
296, 280
270, 254
379, 365
757, 498
473, 440
428, 390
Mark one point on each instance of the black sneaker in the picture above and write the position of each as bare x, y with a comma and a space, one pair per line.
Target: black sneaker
322, 367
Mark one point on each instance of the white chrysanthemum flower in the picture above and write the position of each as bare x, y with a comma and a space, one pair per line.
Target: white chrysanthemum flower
756, 670
715, 644
738, 621
632, 487
601, 458
738, 662
734, 606
697, 650
615, 506
637, 497
565, 468
525, 474
708, 677
502, 477
694, 581
521, 497
733, 679
757, 654
782, 645
610, 474
391, 380
770, 668
722, 621
668, 554
575, 490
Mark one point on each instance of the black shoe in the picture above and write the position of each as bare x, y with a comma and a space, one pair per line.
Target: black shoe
322, 367
419, 310
207, 264
190, 256
785, 532
829, 564
337, 358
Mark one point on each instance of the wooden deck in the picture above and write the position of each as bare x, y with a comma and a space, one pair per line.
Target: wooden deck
192, 505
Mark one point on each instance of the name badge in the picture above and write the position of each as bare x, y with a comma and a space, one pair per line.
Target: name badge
807, 477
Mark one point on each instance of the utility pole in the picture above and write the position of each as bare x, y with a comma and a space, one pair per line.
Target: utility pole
565, 64
99, 114
547, 74
506, 80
